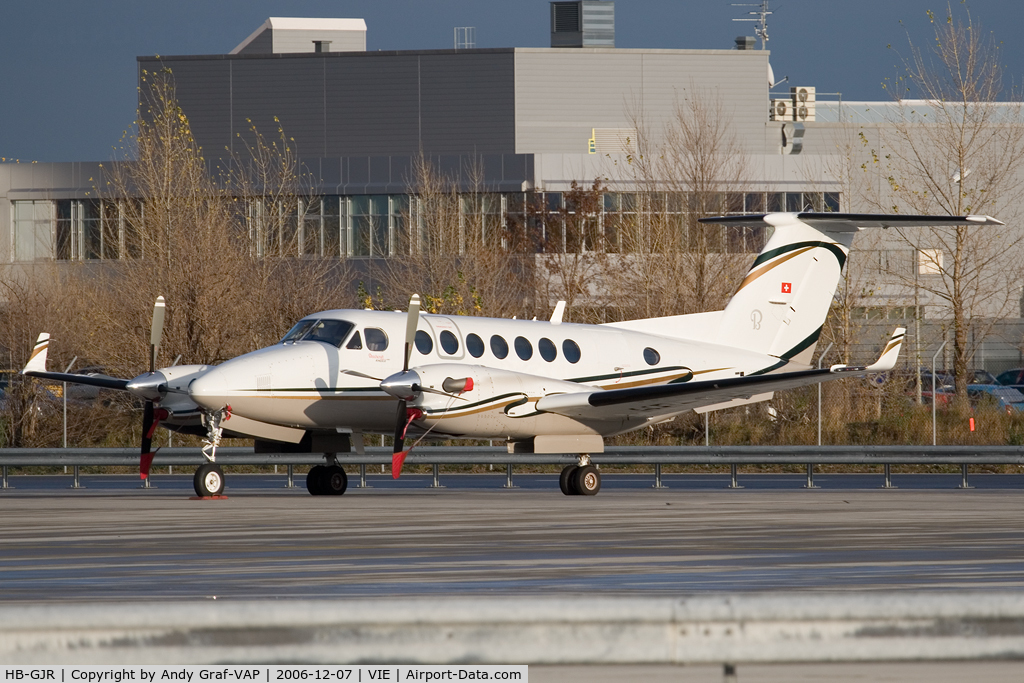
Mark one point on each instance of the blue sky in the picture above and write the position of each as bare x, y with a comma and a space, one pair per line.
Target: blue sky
69, 73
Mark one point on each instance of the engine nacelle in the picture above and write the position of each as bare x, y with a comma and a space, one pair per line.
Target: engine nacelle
501, 403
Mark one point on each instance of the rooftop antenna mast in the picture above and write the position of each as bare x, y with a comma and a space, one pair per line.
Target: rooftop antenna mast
760, 15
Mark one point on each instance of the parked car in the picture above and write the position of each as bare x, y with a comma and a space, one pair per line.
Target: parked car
1007, 398
1012, 378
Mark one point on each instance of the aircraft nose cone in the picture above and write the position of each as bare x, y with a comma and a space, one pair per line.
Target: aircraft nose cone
151, 386
402, 385
210, 390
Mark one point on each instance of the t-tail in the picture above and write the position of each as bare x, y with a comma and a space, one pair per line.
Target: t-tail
782, 303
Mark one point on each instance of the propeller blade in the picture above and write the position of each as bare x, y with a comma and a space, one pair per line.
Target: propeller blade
151, 418
400, 419
410, 328
146, 457
404, 418
156, 331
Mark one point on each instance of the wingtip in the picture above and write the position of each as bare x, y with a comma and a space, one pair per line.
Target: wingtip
887, 359
37, 359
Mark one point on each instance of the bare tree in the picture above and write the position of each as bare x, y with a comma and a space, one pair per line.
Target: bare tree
454, 250
957, 150
694, 167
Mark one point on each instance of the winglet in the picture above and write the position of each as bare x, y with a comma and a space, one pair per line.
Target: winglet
887, 361
37, 360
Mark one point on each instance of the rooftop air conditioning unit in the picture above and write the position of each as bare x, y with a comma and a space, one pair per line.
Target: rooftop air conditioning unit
782, 110
803, 102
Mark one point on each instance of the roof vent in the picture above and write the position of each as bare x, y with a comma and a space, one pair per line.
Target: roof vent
584, 23
745, 42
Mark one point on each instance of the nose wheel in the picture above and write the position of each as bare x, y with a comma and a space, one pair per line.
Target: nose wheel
208, 480
580, 480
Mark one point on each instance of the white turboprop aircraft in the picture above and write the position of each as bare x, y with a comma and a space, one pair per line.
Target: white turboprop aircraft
542, 386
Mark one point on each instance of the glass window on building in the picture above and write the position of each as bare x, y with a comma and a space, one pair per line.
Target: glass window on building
369, 225
329, 207
33, 233
311, 227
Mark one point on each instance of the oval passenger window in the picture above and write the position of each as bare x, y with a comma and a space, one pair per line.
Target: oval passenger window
499, 347
571, 351
449, 342
524, 349
424, 344
376, 340
547, 350
651, 356
475, 345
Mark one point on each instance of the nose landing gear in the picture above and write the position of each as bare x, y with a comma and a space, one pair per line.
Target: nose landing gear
209, 478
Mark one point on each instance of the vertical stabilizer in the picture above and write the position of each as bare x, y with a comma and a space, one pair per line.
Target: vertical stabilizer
782, 303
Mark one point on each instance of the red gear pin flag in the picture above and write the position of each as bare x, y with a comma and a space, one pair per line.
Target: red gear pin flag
787, 287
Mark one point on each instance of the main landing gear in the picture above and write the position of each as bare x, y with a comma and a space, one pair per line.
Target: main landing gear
580, 480
327, 480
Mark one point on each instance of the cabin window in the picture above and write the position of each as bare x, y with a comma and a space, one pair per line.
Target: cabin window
376, 340
651, 356
524, 349
449, 342
356, 342
299, 331
499, 347
475, 345
571, 351
424, 344
547, 350
331, 332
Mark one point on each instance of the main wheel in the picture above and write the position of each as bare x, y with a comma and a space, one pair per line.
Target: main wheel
565, 480
334, 481
208, 480
315, 480
587, 481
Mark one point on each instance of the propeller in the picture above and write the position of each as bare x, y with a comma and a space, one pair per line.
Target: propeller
151, 416
404, 417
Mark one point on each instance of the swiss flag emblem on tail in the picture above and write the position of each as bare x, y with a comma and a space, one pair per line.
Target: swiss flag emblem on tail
787, 287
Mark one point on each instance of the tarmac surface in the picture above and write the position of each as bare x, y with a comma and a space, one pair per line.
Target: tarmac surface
115, 541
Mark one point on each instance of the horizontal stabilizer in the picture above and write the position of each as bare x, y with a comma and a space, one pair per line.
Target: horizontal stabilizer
852, 222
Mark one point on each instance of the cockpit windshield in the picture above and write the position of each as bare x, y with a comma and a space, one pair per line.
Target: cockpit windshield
331, 332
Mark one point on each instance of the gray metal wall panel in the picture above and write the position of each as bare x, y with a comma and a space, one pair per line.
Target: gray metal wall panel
289, 89
203, 89
372, 104
468, 103
561, 95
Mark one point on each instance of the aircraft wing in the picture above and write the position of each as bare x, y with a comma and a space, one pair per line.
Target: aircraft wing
36, 367
669, 399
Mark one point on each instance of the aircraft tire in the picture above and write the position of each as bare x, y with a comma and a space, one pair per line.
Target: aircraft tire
208, 480
586, 481
565, 480
333, 480
315, 480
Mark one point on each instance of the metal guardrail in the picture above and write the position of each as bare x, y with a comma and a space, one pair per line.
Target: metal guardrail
736, 629
733, 456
